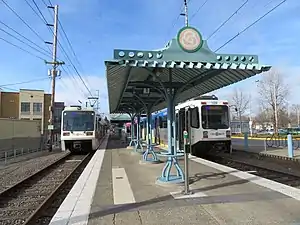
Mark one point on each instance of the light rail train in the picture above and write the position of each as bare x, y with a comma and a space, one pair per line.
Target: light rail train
81, 129
209, 125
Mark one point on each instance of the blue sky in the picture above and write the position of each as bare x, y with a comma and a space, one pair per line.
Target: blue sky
96, 27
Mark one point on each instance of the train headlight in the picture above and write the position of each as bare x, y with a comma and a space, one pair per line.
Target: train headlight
89, 133
205, 134
228, 134
66, 133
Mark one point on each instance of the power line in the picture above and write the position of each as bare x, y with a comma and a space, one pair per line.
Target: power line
256, 21
24, 82
75, 56
12, 10
23, 42
227, 19
200, 7
67, 56
65, 53
8, 42
24, 37
36, 13
175, 21
38, 8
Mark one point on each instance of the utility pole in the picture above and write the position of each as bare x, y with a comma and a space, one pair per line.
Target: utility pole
185, 14
53, 73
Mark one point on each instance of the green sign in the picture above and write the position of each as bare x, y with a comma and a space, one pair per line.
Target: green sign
189, 39
185, 134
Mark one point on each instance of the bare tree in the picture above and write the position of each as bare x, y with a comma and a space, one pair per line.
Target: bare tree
240, 101
296, 114
273, 94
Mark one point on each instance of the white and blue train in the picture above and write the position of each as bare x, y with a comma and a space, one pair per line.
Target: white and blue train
209, 125
81, 129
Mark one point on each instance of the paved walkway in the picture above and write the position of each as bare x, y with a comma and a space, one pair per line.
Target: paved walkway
126, 193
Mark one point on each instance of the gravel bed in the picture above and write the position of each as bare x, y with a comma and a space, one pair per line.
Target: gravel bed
281, 165
14, 173
257, 168
15, 205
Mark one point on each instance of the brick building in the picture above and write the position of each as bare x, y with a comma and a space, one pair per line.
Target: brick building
27, 105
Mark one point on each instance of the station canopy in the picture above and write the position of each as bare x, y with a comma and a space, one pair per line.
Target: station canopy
185, 64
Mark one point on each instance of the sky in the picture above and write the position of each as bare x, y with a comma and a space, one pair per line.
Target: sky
94, 28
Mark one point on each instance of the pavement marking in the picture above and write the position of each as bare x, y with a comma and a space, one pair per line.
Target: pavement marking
122, 191
76, 207
275, 186
180, 195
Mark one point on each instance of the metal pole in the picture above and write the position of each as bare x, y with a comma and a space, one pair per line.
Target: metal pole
54, 74
186, 152
186, 13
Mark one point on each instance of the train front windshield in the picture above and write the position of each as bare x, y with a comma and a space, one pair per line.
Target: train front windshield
215, 117
78, 121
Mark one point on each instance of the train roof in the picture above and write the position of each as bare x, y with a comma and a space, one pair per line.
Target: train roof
78, 108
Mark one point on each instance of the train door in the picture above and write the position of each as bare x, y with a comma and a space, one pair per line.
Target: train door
181, 127
184, 116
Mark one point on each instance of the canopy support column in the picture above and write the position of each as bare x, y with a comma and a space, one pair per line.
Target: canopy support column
132, 140
149, 150
172, 155
138, 144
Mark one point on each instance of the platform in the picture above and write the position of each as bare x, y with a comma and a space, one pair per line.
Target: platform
126, 193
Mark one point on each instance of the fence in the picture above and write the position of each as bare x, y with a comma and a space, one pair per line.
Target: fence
12, 154
282, 142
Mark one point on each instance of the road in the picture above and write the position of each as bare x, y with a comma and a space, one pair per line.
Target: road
251, 142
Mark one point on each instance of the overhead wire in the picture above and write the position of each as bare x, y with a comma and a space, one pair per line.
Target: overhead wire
197, 11
39, 10
176, 19
64, 51
24, 82
16, 14
24, 42
27, 39
67, 56
8, 42
233, 14
36, 13
41, 16
249, 26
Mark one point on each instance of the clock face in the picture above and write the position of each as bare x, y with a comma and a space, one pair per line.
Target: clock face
189, 39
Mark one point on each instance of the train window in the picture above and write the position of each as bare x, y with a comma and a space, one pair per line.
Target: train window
78, 121
195, 117
164, 122
215, 117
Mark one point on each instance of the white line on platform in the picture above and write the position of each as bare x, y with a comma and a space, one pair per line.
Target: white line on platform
121, 187
180, 195
76, 207
275, 186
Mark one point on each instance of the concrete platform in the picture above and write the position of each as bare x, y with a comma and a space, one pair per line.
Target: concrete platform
125, 193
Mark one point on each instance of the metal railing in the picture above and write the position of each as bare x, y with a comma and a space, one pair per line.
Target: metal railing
6, 155
276, 141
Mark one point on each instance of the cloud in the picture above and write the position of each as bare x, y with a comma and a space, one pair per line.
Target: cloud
71, 91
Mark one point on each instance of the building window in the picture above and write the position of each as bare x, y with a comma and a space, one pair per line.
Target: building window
37, 108
25, 108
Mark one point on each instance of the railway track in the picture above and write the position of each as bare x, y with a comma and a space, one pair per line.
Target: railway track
290, 179
25, 202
